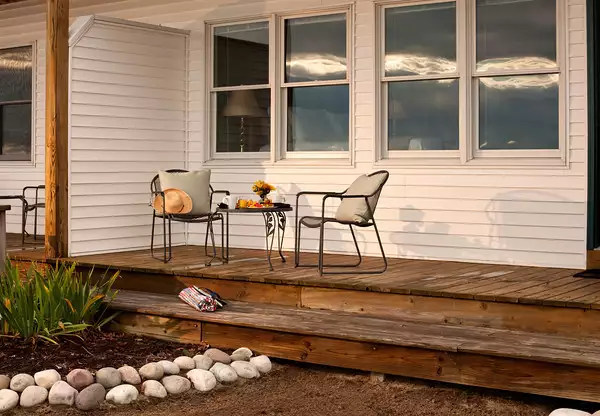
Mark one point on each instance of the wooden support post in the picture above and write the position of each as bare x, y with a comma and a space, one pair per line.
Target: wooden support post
57, 103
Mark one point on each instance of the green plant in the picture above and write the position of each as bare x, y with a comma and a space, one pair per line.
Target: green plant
52, 302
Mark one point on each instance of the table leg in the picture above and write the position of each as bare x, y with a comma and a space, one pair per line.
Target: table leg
271, 227
282, 220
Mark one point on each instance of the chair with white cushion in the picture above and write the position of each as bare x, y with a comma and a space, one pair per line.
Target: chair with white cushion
356, 209
196, 185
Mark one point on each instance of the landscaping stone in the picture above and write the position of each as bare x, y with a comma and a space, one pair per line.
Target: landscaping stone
224, 373
203, 362
33, 396
20, 382
185, 363
9, 399
217, 356
80, 378
176, 384
129, 375
153, 388
109, 377
569, 412
90, 397
152, 371
203, 380
244, 369
4, 382
123, 394
46, 378
169, 368
262, 363
62, 393
241, 354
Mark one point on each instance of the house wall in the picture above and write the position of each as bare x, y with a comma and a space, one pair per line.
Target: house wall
128, 120
533, 216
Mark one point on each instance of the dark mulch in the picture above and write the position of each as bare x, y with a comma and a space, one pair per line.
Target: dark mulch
289, 390
93, 351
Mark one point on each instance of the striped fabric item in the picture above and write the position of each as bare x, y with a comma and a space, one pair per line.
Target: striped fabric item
198, 300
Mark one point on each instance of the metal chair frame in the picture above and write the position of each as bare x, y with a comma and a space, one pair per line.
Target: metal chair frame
28, 207
324, 220
207, 219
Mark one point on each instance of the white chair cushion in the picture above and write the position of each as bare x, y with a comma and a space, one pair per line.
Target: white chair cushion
196, 184
356, 209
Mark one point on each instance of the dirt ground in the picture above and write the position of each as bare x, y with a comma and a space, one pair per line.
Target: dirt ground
289, 390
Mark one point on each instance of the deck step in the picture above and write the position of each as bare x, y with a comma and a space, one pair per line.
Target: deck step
547, 364
375, 330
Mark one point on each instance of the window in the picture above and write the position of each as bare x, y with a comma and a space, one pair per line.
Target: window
316, 89
16, 84
302, 87
241, 92
479, 78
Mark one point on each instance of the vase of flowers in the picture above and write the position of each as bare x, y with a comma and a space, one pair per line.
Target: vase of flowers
262, 189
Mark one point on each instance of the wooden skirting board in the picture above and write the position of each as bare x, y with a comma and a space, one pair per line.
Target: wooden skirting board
522, 375
413, 346
492, 314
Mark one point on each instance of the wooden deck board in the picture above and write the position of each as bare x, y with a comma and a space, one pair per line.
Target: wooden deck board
502, 283
417, 332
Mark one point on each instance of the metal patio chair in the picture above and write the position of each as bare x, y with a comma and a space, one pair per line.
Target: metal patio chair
357, 209
30, 201
208, 219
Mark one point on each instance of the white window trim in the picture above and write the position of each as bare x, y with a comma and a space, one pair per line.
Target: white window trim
468, 154
211, 132
282, 154
32, 161
278, 130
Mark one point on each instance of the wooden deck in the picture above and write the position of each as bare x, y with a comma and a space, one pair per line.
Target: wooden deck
487, 282
526, 329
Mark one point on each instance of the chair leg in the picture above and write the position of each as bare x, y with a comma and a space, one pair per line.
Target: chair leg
380, 247
297, 245
321, 248
152, 237
35, 224
170, 242
357, 248
23, 225
206, 238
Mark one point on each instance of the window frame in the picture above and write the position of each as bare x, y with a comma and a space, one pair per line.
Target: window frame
32, 159
278, 115
283, 87
213, 91
469, 152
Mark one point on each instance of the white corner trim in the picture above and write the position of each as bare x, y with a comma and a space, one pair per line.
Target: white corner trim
79, 28
83, 24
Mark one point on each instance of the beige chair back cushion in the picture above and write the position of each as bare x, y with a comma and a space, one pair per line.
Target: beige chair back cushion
196, 184
356, 209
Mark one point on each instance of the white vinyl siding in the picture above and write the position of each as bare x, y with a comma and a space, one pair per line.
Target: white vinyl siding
128, 120
504, 214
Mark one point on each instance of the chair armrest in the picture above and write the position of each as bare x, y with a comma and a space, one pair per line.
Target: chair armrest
221, 191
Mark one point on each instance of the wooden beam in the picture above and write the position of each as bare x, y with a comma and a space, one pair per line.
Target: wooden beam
57, 102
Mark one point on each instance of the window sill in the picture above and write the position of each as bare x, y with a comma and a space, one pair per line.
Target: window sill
479, 162
16, 164
334, 163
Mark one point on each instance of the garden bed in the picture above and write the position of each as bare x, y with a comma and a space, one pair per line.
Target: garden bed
289, 390
92, 351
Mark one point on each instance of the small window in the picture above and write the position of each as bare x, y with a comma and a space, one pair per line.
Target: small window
316, 88
420, 77
16, 82
241, 90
